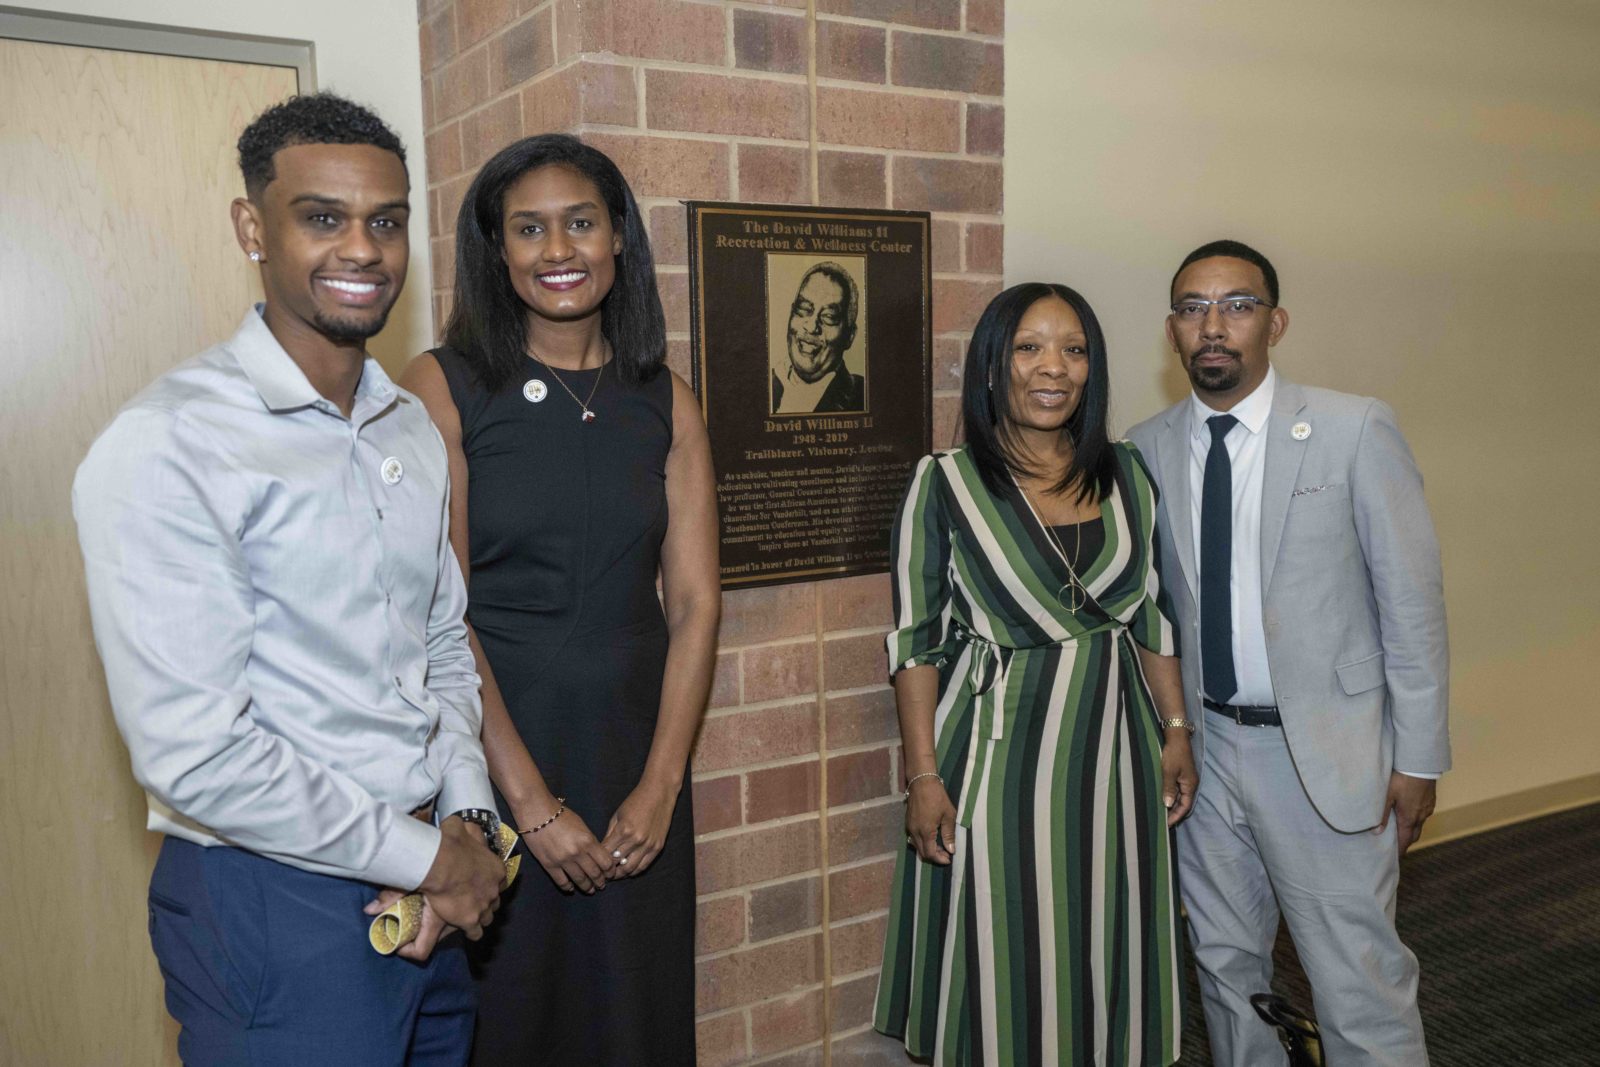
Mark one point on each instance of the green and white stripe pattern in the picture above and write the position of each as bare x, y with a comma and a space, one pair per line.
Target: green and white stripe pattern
1053, 936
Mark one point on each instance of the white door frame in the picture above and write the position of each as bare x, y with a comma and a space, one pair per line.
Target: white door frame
123, 36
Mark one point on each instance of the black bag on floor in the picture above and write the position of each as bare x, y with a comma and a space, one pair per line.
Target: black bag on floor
1298, 1032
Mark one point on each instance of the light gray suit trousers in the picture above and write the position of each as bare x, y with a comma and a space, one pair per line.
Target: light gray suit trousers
1353, 609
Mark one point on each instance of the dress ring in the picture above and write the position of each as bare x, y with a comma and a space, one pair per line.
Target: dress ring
623, 861
616, 853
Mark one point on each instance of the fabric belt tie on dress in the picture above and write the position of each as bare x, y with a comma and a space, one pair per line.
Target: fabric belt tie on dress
1245, 714
988, 677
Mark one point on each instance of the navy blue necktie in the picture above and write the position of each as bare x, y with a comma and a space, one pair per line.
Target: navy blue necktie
1216, 565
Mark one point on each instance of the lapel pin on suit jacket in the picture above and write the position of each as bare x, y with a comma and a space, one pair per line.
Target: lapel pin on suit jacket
1300, 431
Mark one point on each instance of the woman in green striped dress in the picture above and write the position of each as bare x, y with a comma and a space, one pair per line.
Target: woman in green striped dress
1034, 915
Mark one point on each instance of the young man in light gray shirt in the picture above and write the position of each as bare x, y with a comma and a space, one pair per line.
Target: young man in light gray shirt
280, 618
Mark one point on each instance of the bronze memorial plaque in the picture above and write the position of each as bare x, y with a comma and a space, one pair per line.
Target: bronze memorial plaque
812, 337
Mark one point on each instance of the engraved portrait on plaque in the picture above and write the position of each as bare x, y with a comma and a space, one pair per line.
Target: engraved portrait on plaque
811, 337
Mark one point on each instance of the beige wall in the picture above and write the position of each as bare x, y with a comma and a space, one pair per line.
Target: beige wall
365, 49
1427, 181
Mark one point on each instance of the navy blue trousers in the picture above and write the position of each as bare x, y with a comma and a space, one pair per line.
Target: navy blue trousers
266, 964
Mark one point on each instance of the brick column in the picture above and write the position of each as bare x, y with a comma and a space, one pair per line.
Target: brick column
868, 103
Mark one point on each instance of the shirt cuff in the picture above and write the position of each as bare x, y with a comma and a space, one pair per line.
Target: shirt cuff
406, 854
1432, 776
462, 790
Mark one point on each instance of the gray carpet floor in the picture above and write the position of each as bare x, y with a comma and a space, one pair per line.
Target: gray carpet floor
1506, 925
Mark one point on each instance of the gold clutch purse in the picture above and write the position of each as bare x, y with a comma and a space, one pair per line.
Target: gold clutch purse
397, 925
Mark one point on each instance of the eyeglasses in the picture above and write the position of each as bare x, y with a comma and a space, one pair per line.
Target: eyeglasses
1232, 307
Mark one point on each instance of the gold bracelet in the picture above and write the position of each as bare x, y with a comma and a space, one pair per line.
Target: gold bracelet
915, 778
1167, 724
561, 806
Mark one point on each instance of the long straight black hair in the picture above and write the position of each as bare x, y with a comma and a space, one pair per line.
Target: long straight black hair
986, 396
488, 324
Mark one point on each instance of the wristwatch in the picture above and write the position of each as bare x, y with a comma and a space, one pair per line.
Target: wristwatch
1167, 724
486, 820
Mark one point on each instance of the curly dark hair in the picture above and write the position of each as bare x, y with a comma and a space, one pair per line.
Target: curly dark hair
316, 118
1235, 250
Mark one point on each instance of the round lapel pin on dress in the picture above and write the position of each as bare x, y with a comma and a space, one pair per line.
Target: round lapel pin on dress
392, 470
535, 390
1300, 431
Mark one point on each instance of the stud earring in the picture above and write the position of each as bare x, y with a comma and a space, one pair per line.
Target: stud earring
255, 257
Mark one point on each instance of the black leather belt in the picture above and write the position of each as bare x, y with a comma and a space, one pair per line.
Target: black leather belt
1245, 714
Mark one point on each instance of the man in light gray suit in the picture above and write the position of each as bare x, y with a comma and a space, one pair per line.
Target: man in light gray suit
1305, 577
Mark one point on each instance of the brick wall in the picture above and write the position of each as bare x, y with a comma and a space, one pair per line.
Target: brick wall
869, 103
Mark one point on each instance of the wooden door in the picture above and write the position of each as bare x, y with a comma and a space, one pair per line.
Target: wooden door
117, 260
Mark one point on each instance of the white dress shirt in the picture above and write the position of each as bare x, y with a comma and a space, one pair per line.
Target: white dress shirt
1247, 451
1247, 454
280, 615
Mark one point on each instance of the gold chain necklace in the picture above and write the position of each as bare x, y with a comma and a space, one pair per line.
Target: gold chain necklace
1073, 586
588, 413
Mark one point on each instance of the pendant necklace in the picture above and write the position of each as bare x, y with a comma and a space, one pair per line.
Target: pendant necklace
588, 412
1072, 595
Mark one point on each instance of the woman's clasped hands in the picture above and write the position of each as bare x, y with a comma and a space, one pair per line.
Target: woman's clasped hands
638, 830
567, 849
577, 861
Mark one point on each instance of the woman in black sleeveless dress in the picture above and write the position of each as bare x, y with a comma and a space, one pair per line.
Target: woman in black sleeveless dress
580, 469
